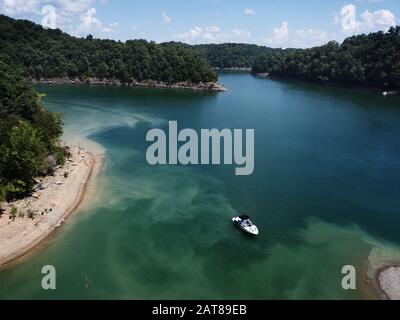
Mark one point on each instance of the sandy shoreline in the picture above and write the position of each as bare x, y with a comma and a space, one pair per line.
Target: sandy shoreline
59, 196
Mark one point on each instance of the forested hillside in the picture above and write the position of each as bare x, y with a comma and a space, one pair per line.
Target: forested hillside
366, 60
233, 55
52, 53
28, 135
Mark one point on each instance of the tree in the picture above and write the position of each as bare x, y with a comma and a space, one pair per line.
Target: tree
41, 53
3, 196
28, 134
50, 127
23, 156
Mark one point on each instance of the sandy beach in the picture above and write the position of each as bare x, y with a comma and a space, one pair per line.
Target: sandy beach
38, 216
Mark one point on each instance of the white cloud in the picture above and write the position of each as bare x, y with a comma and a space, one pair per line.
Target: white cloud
303, 38
309, 38
73, 6
166, 18
248, 11
88, 20
380, 20
212, 34
90, 23
280, 34
77, 17
348, 19
20, 7
350, 23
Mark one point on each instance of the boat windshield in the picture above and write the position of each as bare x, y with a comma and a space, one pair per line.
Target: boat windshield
248, 223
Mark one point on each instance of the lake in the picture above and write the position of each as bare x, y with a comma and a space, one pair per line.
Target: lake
325, 193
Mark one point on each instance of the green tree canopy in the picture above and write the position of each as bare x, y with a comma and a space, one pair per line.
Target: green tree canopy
28, 134
365, 60
44, 53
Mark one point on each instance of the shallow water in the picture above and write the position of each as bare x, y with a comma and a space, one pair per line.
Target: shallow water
325, 193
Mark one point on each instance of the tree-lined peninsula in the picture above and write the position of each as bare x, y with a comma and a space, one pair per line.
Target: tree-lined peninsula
45, 53
29, 136
371, 60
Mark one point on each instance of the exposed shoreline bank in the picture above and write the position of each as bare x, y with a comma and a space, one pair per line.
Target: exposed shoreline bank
40, 215
238, 69
387, 281
210, 86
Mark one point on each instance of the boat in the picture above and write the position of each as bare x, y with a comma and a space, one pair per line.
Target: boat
245, 224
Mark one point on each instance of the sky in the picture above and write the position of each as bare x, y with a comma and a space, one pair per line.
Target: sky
274, 23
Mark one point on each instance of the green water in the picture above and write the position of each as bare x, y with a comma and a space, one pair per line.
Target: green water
325, 193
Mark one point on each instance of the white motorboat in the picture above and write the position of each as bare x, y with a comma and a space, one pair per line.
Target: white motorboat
244, 223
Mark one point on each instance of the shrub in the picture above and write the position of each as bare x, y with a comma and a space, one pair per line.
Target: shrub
3, 194
15, 188
60, 154
31, 214
13, 212
23, 157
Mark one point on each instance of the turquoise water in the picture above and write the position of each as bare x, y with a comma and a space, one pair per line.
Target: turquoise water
325, 193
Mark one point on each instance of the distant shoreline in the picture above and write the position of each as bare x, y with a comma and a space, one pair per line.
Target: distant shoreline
53, 204
327, 84
210, 86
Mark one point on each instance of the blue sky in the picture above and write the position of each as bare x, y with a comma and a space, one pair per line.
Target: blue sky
276, 23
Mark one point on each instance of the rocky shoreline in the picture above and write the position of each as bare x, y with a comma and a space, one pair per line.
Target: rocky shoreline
210, 86
241, 69
388, 282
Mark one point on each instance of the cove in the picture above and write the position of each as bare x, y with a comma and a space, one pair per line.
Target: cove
326, 183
